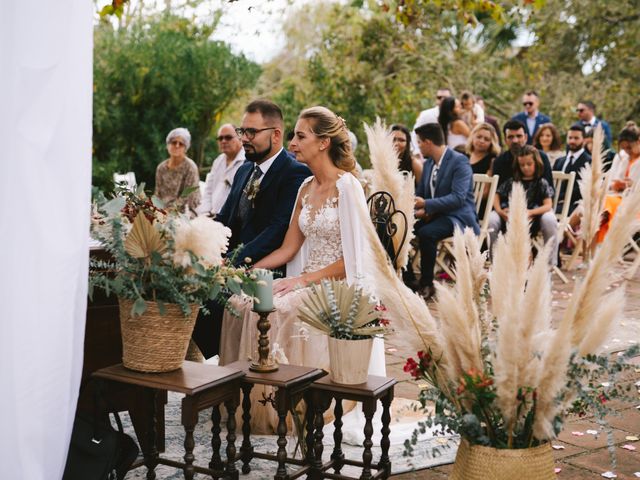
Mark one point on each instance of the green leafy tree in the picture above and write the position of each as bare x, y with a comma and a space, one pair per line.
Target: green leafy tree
154, 76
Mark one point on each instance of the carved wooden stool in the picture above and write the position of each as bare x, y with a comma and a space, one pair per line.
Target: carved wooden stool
292, 384
204, 386
376, 388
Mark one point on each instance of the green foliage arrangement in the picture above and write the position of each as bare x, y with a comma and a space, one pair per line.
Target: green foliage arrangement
154, 75
342, 311
161, 255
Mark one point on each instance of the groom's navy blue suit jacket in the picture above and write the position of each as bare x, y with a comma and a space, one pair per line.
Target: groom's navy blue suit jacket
269, 218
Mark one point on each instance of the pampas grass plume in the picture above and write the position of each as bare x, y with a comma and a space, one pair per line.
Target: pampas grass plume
203, 237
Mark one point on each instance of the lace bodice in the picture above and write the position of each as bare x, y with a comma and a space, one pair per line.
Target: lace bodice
321, 228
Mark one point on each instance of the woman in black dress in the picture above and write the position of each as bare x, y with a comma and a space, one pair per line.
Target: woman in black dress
482, 148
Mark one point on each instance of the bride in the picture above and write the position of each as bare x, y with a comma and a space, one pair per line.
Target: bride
330, 236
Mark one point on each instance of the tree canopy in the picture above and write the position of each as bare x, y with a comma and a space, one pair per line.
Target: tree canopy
154, 76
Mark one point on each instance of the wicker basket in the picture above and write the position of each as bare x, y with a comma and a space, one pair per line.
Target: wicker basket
474, 462
152, 342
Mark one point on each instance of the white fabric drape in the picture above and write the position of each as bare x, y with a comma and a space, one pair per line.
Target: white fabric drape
45, 120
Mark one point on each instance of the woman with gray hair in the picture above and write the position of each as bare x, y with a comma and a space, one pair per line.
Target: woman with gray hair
178, 173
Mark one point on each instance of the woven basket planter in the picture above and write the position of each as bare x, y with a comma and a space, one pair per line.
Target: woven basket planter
475, 462
152, 342
349, 360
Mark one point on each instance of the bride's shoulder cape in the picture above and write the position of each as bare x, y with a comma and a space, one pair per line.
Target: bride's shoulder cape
353, 215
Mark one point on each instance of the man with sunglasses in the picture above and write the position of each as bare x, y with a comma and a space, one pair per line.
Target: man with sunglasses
531, 116
586, 111
223, 169
260, 203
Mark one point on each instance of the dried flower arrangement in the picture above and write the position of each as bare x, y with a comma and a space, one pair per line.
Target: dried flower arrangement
503, 376
342, 311
161, 255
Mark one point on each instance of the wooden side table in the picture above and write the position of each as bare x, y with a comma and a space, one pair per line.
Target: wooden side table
204, 386
376, 388
292, 384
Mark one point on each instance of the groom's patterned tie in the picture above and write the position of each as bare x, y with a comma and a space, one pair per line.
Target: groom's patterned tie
250, 189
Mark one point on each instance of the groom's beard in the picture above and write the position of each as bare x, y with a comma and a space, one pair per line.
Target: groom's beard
254, 155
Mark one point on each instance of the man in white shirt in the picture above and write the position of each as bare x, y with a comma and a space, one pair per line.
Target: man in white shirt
429, 116
223, 169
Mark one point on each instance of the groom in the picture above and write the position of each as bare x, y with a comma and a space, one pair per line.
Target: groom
259, 206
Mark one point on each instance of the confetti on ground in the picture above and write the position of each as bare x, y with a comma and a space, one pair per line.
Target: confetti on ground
557, 470
391, 349
631, 438
616, 340
631, 448
605, 384
592, 432
609, 475
557, 447
578, 434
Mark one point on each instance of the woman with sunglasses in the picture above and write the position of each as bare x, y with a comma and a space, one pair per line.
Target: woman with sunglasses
178, 173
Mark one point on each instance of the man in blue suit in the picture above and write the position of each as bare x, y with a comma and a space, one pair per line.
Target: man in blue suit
531, 117
586, 111
444, 199
259, 205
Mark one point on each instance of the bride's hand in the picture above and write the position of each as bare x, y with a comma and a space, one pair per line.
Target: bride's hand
286, 285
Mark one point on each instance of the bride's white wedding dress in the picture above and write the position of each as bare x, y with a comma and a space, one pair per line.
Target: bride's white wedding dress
335, 230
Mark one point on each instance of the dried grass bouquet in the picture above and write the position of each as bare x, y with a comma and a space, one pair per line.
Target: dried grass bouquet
506, 377
160, 255
342, 311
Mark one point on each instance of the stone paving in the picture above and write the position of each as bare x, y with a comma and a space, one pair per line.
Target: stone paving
583, 457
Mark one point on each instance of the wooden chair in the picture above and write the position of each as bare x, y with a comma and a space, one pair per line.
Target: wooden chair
480, 183
390, 224
559, 179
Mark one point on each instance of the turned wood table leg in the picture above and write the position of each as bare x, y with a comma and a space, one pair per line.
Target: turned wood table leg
231, 472
189, 444
309, 423
337, 455
281, 407
216, 443
246, 450
385, 463
369, 408
151, 452
318, 447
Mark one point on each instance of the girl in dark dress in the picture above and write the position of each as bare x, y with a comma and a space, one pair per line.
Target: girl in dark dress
528, 169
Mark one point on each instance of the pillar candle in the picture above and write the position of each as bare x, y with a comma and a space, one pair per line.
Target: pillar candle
264, 290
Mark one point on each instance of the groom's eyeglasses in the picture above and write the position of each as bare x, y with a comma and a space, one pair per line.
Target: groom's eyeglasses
251, 132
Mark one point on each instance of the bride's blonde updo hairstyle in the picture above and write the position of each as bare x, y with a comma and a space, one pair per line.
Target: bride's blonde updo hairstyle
325, 123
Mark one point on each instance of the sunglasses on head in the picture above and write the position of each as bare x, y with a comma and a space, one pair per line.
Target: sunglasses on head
527, 104
228, 138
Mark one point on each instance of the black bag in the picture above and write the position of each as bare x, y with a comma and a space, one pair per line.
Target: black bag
97, 451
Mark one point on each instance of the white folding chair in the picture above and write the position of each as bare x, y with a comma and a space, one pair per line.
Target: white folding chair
128, 178
559, 179
480, 183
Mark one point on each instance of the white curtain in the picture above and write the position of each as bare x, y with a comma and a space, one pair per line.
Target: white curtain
45, 176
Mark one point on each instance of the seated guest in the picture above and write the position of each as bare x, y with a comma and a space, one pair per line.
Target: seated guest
472, 112
482, 148
586, 111
548, 140
178, 173
528, 172
577, 157
402, 144
455, 130
516, 138
223, 169
444, 199
490, 119
531, 117
625, 172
